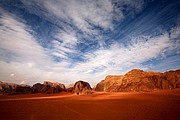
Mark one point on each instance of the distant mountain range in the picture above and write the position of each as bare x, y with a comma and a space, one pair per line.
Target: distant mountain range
134, 81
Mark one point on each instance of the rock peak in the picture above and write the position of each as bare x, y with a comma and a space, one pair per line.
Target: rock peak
138, 80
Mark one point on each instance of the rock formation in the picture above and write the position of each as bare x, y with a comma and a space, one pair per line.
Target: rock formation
109, 83
22, 90
37, 88
69, 88
6, 88
82, 87
48, 87
12, 88
55, 84
138, 80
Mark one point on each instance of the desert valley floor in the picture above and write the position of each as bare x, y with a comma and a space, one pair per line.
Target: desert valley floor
157, 105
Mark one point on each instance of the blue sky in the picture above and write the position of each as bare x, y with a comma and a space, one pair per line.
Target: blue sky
70, 40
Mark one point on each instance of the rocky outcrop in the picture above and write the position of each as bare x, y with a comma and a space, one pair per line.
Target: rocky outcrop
109, 83
12, 88
69, 88
22, 90
82, 87
6, 88
48, 87
55, 84
37, 88
138, 80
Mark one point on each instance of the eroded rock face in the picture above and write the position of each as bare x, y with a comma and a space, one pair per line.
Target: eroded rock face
55, 84
22, 90
82, 87
46, 88
51, 87
37, 88
138, 80
109, 83
7, 88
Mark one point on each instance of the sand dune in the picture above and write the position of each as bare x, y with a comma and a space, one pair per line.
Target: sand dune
158, 105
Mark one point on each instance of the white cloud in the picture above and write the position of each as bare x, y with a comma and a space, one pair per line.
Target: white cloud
19, 50
175, 32
119, 57
83, 13
17, 42
31, 64
12, 75
67, 38
24, 60
23, 82
63, 45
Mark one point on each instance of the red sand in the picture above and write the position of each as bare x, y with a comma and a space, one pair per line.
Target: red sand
159, 105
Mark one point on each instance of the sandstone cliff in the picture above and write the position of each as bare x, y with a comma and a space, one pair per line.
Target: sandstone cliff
139, 80
82, 87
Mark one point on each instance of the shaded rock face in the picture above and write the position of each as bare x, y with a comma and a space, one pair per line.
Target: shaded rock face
7, 88
48, 87
12, 88
55, 84
37, 88
82, 87
22, 90
138, 80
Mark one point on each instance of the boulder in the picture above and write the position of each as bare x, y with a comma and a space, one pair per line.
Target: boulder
82, 87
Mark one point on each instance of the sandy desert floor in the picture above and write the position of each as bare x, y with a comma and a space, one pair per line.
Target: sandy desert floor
158, 105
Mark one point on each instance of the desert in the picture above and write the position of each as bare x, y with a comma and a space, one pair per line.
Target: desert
137, 95
156, 105
89, 59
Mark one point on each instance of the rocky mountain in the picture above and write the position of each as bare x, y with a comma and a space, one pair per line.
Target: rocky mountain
37, 88
82, 87
47, 87
7, 88
139, 80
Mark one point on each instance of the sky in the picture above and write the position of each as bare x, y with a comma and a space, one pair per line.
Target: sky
70, 40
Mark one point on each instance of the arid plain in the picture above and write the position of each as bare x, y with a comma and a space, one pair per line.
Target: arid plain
156, 105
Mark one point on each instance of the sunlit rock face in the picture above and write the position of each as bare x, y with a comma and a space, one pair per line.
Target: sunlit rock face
82, 87
138, 80
109, 84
